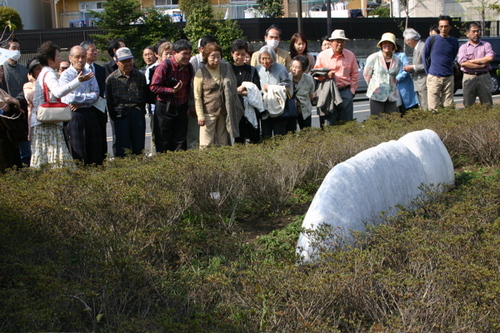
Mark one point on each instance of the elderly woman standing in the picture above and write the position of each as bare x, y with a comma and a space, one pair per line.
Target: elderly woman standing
217, 104
380, 73
303, 90
47, 139
405, 84
272, 74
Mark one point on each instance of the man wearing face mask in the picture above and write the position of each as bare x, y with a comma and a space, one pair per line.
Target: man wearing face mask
14, 78
272, 39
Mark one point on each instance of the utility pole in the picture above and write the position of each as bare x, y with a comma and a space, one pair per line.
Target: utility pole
299, 17
328, 17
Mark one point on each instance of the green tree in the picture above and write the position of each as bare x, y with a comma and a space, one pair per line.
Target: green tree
139, 28
202, 21
10, 19
381, 12
271, 8
480, 8
156, 26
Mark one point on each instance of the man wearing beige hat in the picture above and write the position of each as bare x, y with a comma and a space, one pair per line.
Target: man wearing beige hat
344, 69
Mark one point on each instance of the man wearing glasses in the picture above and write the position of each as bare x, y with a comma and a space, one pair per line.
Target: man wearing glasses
474, 58
438, 58
171, 83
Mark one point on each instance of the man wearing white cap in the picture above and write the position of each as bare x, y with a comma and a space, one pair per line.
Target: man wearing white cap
126, 90
344, 69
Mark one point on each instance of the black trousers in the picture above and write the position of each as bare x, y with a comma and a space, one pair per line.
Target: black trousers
129, 133
170, 127
87, 137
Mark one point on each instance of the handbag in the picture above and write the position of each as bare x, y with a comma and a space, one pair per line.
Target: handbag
290, 110
50, 112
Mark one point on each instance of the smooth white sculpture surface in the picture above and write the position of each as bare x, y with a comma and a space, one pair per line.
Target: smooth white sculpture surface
432, 153
376, 180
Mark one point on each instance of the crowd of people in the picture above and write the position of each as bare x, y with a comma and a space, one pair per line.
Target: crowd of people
203, 100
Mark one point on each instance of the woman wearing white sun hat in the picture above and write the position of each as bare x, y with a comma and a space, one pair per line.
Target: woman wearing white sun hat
380, 73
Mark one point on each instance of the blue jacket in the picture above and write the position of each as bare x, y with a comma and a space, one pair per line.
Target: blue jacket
405, 83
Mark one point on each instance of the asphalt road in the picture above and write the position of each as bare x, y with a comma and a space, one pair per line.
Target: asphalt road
361, 112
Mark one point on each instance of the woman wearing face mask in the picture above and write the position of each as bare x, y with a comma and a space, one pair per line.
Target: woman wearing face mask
217, 105
298, 46
380, 73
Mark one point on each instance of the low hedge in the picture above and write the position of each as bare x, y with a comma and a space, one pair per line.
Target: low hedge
156, 244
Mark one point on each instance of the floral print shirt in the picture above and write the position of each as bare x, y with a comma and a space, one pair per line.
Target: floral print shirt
382, 83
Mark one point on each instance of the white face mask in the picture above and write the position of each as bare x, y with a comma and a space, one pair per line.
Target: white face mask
16, 55
272, 43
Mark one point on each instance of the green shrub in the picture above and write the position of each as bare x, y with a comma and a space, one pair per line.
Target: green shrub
10, 19
161, 244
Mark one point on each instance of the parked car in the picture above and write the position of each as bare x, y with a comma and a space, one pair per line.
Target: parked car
495, 80
362, 85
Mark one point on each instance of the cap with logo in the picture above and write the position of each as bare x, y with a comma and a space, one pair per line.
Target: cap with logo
123, 53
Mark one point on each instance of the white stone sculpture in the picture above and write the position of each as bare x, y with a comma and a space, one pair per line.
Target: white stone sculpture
376, 180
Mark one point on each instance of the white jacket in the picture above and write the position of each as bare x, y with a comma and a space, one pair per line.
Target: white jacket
274, 100
253, 100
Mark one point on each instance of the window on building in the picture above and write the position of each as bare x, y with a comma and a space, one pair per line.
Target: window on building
165, 3
238, 7
85, 6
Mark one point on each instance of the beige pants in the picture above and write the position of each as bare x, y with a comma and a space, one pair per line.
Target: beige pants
477, 86
440, 91
422, 99
214, 132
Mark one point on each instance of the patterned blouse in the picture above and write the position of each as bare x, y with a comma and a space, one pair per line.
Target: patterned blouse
382, 83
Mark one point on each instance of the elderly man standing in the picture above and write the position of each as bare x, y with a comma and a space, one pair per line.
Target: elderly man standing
344, 69
126, 91
84, 133
14, 77
474, 58
272, 39
412, 39
100, 76
438, 58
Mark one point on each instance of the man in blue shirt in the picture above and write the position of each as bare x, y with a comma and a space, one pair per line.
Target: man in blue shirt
438, 57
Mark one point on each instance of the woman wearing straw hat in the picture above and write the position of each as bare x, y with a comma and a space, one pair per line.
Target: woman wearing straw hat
380, 73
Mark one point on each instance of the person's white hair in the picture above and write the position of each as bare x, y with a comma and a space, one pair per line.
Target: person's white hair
269, 50
411, 33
